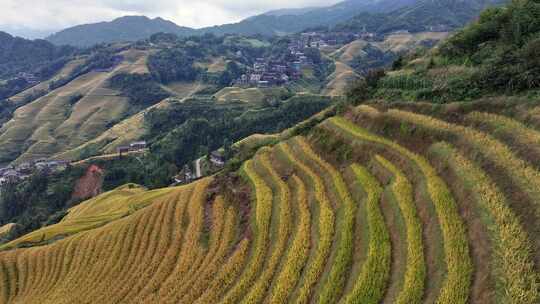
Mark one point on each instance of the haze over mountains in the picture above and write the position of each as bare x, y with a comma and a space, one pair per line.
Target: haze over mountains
448, 13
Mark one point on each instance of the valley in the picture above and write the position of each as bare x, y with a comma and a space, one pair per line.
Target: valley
89, 116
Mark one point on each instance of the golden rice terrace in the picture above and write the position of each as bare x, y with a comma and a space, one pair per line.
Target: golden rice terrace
377, 205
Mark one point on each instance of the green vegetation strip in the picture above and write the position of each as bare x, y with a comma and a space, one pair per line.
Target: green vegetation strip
209, 271
326, 230
337, 278
507, 127
456, 287
259, 289
371, 282
519, 171
297, 255
263, 213
515, 269
413, 286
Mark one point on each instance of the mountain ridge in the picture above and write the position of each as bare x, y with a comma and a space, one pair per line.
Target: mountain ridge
122, 29
270, 23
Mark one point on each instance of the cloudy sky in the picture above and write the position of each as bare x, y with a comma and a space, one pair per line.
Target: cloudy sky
38, 17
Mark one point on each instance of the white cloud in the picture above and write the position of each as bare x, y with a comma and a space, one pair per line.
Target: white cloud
50, 15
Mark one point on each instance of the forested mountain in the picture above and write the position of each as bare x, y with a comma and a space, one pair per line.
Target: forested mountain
497, 54
129, 28
279, 22
424, 15
437, 14
24, 63
22, 55
271, 24
380, 15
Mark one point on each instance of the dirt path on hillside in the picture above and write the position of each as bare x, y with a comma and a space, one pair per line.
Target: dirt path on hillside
90, 185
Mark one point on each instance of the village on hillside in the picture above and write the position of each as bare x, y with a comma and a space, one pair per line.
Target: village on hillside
199, 168
267, 72
22, 171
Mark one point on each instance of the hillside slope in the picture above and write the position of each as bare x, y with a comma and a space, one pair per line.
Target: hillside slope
354, 60
420, 16
69, 115
22, 55
93, 213
344, 214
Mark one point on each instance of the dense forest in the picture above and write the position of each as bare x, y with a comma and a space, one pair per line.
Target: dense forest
40, 200
37, 56
504, 46
140, 88
192, 129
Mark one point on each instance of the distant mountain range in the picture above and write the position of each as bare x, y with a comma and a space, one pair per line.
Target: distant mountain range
396, 14
25, 32
291, 21
129, 28
290, 11
427, 15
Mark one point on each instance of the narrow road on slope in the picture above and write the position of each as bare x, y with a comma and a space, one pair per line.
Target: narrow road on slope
198, 168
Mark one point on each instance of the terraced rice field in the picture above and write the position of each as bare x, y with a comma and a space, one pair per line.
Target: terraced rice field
338, 81
402, 42
360, 210
247, 95
44, 86
51, 124
349, 52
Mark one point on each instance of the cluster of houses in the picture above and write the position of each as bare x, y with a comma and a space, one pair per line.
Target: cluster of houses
217, 159
185, 176
321, 40
24, 170
134, 146
267, 73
